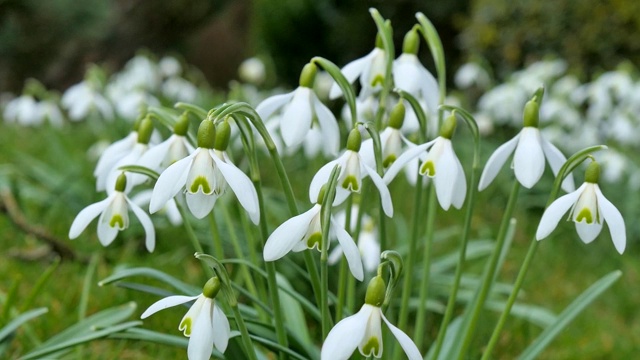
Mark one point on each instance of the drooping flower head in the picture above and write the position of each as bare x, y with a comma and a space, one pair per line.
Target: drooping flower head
299, 109
439, 163
588, 209
205, 174
363, 330
531, 150
304, 231
204, 324
114, 216
352, 170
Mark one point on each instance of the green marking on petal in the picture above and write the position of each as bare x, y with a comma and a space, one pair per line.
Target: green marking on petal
585, 214
378, 80
371, 347
315, 240
198, 182
117, 220
388, 160
351, 183
185, 326
428, 168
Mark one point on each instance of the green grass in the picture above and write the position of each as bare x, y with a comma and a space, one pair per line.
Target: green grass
50, 176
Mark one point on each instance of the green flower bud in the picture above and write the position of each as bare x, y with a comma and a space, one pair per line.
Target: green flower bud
223, 133
121, 182
354, 140
308, 75
211, 288
396, 119
182, 125
411, 43
592, 175
531, 113
206, 134
449, 126
375, 292
145, 130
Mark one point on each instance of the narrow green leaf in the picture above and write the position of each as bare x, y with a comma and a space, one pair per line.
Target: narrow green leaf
154, 274
17, 322
569, 313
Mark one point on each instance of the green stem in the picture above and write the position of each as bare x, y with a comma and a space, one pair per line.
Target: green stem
344, 266
488, 277
411, 256
512, 299
248, 280
193, 238
253, 257
325, 221
426, 270
461, 259
216, 240
244, 333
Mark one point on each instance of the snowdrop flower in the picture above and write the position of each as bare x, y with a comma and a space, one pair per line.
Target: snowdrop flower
175, 148
205, 174
370, 69
363, 330
83, 99
471, 74
179, 89
204, 324
440, 163
368, 243
589, 209
352, 170
252, 71
304, 231
23, 110
114, 216
169, 67
531, 150
49, 110
410, 76
299, 108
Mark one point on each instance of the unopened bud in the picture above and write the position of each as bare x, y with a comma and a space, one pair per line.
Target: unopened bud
206, 134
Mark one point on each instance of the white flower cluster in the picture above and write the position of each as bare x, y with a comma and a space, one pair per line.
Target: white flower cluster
573, 114
143, 81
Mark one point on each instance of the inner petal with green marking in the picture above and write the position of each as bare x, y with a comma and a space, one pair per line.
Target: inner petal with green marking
185, 326
117, 221
351, 183
428, 168
371, 347
200, 182
585, 214
315, 240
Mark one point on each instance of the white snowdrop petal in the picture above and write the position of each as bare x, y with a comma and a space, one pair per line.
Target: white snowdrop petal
350, 250
495, 162
106, 233
242, 186
221, 329
166, 303
201, 340
555, 212
556, 160
270, 105
351, 71
446, 175
150, 233
170, 182
328, 126
403, 159
460, 187
405, 341
288, 234
385, 196
321, 178
86, 215
588, 232
296, 119
614, 220
345, 336
528, 160
200, 204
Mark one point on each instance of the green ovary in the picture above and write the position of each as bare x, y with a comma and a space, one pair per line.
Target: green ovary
117, 220
200, 181
586, 215
428, 168
350, 182
372, 347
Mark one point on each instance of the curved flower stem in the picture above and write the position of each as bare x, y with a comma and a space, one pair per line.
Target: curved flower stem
488, 277
193, 238
569, 165
244, 333
426, 270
